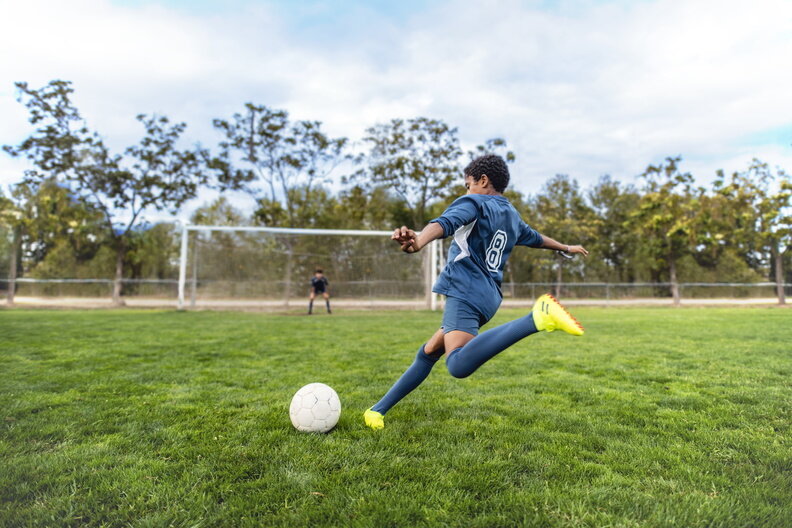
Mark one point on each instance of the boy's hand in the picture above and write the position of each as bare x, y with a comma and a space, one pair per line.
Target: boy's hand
578, 249
405, 237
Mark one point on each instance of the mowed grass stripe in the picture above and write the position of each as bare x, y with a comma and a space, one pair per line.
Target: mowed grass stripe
656, 417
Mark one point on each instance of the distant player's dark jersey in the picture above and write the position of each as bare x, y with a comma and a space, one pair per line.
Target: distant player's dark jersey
319, 285
485, 228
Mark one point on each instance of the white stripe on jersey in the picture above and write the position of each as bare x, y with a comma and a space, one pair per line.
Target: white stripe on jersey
460, 237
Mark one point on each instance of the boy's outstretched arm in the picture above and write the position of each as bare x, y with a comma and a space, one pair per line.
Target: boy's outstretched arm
412, 242
549, 243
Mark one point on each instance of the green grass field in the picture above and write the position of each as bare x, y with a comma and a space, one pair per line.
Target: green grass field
657, 417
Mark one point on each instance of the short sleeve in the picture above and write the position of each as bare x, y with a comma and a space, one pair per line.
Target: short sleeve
463, 211
529, 237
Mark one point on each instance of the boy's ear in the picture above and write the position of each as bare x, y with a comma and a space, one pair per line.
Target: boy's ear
484, 180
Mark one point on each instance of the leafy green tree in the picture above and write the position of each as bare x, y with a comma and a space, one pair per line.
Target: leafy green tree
562, 213
417, 159
613, 242
152, 175
220, 212
314, 207
11, 223
668, 217
54, 216
269, 156
57, 235
762, 220
374, 208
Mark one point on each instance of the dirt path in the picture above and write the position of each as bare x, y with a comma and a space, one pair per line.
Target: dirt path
383, 304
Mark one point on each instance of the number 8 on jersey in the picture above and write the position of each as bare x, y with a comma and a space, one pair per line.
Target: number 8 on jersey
495, 250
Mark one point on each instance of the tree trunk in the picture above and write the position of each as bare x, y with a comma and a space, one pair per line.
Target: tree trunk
12, 267
558, 281
779, 274
674, 284
119, 273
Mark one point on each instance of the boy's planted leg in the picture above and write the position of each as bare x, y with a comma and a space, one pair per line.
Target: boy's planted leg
425, 359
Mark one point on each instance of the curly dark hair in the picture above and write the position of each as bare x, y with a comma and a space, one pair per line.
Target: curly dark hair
493, 166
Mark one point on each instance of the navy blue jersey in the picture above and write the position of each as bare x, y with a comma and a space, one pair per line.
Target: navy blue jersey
485, 228
319, 285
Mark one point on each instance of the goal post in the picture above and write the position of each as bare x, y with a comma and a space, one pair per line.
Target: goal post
267, 258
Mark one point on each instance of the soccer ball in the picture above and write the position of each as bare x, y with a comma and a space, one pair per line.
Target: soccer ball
315, 408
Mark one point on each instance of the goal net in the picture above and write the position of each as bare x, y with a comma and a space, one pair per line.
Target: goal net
264, 267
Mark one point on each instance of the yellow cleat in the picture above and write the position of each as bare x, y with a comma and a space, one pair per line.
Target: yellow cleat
549, 315
374, 419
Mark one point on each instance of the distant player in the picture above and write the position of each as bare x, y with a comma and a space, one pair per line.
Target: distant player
319, 284
485, 227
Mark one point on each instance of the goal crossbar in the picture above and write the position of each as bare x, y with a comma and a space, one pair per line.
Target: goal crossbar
286, 230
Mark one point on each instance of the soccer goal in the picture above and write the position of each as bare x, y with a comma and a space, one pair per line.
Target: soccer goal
264, 267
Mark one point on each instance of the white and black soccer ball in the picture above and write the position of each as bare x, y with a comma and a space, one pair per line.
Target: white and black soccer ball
315, 408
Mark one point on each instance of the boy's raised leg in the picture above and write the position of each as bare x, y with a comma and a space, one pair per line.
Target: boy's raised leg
547, 314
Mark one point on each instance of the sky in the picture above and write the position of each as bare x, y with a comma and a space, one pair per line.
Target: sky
583, 88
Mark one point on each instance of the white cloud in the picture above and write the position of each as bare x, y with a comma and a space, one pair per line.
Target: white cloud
585, 90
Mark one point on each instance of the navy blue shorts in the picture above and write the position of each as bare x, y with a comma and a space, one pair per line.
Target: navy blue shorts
459, 315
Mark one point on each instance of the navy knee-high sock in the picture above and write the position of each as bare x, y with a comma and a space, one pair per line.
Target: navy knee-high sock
412, 377
464, 361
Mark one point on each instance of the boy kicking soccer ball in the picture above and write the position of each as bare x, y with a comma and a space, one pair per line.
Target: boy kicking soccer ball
485, 227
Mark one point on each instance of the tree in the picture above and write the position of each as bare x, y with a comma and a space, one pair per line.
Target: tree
668, 216
614, 243
154, 174
269, 156
563, 215
762, 221
415, 158
52, 230
220, 212
52, 216
10, 229
369, 208
314, 207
